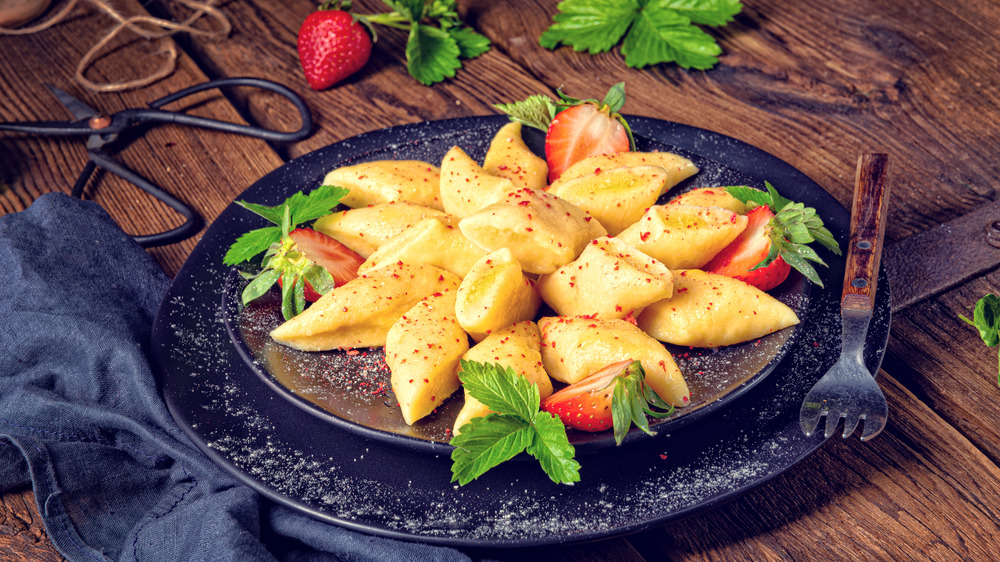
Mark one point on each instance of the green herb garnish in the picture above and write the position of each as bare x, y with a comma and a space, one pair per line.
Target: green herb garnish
986, 318
794, 225
282, 259
437, 40
649, 31
516, 425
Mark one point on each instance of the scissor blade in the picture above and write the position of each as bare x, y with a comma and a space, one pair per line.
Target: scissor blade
79, 109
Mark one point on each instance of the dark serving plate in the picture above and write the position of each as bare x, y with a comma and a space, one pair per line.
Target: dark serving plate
355, 475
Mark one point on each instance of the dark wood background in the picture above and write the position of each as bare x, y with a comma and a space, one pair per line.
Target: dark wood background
814, 83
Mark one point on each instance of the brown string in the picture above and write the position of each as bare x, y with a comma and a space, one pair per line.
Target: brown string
147, 27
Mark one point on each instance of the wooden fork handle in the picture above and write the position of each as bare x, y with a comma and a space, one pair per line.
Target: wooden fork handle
864, 250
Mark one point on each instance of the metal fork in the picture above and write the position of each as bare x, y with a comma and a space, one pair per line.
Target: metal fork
848, 390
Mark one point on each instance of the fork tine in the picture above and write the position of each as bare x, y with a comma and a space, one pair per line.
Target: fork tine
874, 424
851, 422
809, 417
835, 411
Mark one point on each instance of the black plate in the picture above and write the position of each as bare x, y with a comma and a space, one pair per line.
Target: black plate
361, 482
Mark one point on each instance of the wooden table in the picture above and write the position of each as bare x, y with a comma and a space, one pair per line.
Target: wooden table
813, 83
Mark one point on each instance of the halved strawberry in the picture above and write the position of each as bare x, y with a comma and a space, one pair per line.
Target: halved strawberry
776, 240
615, 396
741, 257
575, 128
328, 253
588, 129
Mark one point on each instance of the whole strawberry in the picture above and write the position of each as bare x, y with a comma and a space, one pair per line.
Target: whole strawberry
332, 45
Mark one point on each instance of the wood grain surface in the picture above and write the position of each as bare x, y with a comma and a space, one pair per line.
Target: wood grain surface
813, 83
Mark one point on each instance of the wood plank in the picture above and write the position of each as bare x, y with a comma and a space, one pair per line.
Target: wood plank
173, 157
22, 535
892, 498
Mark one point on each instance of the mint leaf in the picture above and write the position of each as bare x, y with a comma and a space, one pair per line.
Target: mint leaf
250, 244
431, 54
470, 43
536, 111
317, 203
516, 425
594, 26
486, 442
500, 389
553, 450
749, 195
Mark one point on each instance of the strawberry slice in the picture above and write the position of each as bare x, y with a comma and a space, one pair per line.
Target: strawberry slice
328, 253
575, 128
775, 241
588, 129
615, 396
740, 259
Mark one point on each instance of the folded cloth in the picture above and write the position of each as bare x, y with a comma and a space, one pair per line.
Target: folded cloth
81, 420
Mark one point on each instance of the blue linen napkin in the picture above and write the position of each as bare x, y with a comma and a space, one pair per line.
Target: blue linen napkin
81, 420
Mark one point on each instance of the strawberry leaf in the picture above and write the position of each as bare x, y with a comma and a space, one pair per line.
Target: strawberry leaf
650, 31
259, 285
594, 26
986, 318
431, 54
661, 36
470, 43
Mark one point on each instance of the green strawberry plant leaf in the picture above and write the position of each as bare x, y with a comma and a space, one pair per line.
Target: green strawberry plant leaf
649, 31
986, 319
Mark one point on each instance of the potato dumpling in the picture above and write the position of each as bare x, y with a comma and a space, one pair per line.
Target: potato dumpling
466, 187
684, 236
385, 181
678, 168
360, 312
617, 197
434, 241
508, 157
423, 348
543, 231
576, 346
610, 279
495, 294
709, 310
517, 346
711, 197
366, 228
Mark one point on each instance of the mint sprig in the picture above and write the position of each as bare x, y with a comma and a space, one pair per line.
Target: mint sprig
437, 40
986, 318
516, 425
649, 31
793, 227
301, 209
283, 261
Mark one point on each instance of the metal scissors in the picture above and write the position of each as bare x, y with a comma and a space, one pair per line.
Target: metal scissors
102, 130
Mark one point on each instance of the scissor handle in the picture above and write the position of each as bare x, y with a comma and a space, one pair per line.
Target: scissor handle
156, 114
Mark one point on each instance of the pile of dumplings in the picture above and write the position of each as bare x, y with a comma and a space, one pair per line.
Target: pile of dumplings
460, 258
